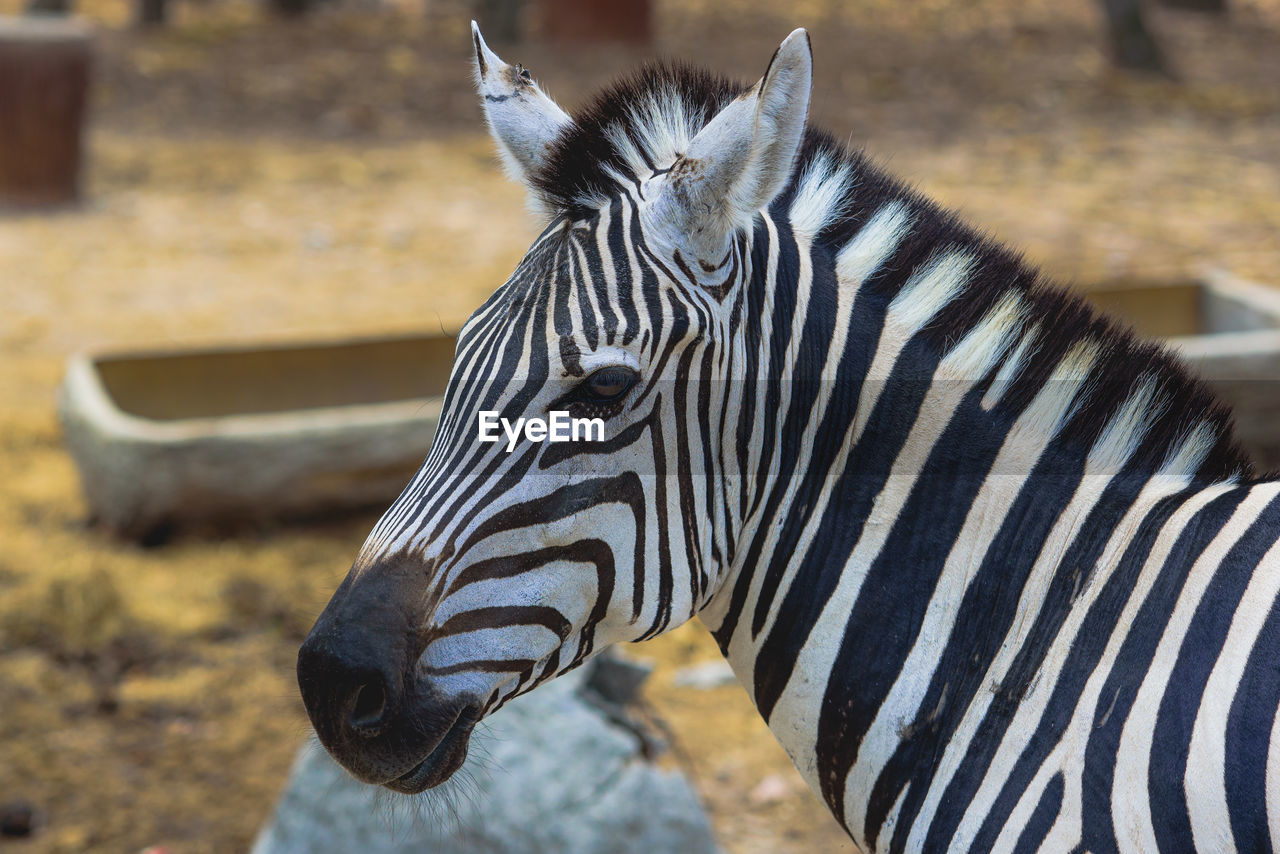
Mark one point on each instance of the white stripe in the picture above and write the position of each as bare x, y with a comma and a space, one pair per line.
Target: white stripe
929, 289
1206, 777
1010, 369
820, 196
872, 245
891, 822
610, 272
1130, 808
1023, 446
743, 638
1127, 428
800, 702
1191, 451
1067, 830
755, 450
1034, 701
980, 349
628, 211
583, 281
1273, 783
868, 250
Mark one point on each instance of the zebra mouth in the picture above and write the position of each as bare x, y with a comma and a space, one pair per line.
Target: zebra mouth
445, 758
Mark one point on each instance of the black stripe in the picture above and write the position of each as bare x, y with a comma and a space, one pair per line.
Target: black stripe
582, 281
1250, 726
1092, 638
1041, 821
895, 594
596, 279
502, 616
1121, 687
1080, 558
1199, 652
622, 266
844, 517
852, 366
666, 581
785, 301
985, 616
756, 295
804, 384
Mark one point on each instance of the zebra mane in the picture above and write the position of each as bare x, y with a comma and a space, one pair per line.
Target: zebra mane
645, 120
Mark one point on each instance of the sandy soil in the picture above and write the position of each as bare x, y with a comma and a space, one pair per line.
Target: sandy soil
254, 180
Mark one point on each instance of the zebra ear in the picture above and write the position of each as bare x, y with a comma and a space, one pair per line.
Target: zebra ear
522, 120
743, 158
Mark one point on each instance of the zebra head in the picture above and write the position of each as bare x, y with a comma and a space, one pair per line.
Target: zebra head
506, 563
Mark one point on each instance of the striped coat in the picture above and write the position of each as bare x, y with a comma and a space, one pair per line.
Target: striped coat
993, 570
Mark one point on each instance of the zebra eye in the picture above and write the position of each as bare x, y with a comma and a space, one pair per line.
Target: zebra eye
608, 384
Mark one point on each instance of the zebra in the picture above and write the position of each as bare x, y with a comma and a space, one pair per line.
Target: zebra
994, 570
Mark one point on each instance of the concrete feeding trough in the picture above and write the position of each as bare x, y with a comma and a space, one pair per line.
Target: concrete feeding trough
1228, 329
165, 440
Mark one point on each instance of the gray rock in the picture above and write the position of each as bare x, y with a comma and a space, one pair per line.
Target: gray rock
617, 679
709, 674
548, 773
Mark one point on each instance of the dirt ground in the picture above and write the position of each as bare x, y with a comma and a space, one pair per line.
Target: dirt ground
253, 179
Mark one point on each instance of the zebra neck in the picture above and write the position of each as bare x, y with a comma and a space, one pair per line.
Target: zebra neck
911, 500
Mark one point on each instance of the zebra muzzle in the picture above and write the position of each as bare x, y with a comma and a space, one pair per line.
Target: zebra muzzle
444, 759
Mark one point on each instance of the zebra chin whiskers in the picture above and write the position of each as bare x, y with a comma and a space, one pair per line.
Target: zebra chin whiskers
442, 812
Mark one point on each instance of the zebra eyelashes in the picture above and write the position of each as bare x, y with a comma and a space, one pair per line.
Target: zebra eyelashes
600, 394
607, 384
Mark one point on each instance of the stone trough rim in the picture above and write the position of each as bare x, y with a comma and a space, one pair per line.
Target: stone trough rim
84, 379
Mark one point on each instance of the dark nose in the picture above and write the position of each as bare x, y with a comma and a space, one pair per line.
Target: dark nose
350, 684
353, 666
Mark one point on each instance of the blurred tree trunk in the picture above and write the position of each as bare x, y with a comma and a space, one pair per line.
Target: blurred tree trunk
590, 22
48, 7
152, 13
44, 78
290, 8
1132, 45
500, 20
1216, 7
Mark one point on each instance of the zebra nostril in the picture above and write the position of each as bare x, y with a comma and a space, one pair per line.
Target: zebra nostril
368, 708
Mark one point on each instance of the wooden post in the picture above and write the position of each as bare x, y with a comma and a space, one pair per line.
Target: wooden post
1132, 45
44, 78
152, 13
48, 7
1211, 7
290, 8
591, 22
500, 20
